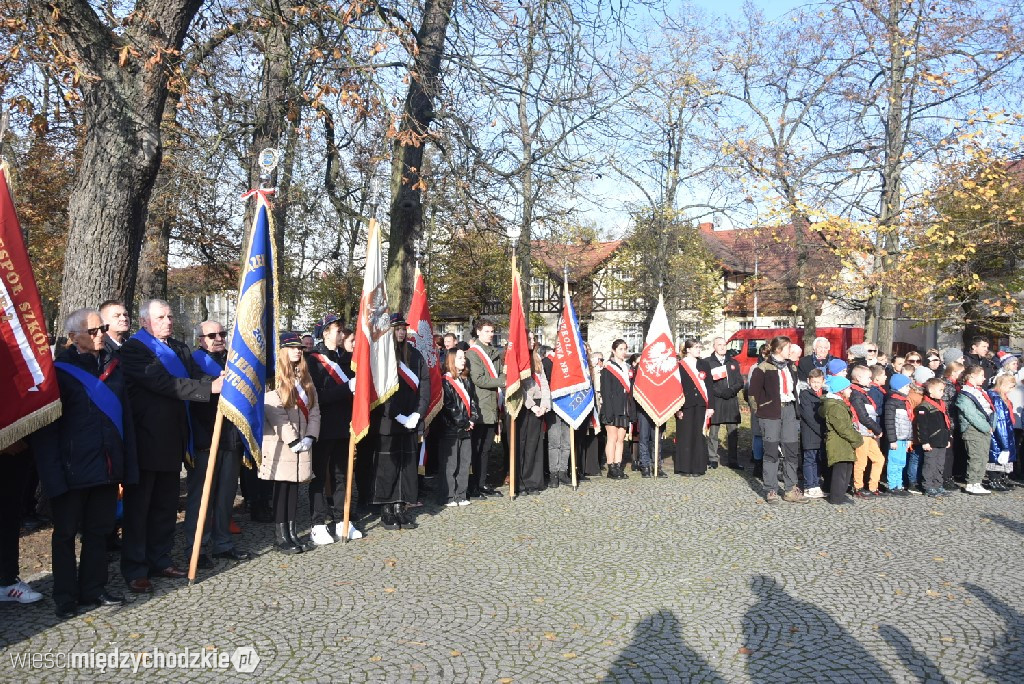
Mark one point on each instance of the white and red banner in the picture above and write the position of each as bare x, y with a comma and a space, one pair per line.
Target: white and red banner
517, 353
572, 394
374, 358
31, 396
658, 389
421, 334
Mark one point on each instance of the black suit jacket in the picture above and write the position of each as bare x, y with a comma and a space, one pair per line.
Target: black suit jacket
158, 403
724, 393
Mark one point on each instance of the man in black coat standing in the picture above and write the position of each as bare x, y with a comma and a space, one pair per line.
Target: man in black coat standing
728, 381
211, 357
162, 379
81, 459
818, 358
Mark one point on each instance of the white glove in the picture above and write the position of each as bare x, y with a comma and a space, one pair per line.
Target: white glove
297, 447
1004, 457
352, 385
402, 420
412, 420
306, 444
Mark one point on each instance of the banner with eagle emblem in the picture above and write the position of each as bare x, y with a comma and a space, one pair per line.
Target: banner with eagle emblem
657, 388
421, 332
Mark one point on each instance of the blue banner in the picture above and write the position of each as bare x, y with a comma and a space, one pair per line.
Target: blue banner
577, 404
253, 344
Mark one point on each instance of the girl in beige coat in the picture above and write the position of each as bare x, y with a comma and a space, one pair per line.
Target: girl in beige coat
291, 425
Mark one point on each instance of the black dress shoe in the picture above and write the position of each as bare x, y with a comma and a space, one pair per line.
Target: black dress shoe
204, 562
713, 465
66, 612
234, 554
140, 586
172, 572
735, 466
490, 491
106, 599
662, 474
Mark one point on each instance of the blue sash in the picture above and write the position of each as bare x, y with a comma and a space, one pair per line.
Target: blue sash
207, 363
101, 395
173, 365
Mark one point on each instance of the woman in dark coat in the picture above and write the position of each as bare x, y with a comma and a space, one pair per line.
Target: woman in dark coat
459, 414
691, 444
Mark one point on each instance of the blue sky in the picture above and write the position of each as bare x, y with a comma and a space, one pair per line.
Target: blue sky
734, 8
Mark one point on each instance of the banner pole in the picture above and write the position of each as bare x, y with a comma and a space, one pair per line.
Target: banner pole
204, 505
572, 457
657, 445
348, 488
511, 457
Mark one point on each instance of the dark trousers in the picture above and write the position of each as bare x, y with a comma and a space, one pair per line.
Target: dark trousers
395, 473
732, 443
91, 511
150, 513
286, 501
216, 529
933, 470
365, 456
529, 452
327, 454
454, 457
12, 486
482, 439
645, 439
842, 475
812, 465
257, 492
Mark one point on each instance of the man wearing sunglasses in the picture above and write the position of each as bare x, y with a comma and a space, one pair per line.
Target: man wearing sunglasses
163, 380
211, 356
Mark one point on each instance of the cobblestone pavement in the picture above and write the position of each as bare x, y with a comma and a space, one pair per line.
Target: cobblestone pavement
685, 579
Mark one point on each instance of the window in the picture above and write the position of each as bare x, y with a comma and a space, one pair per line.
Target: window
634, 335
538, 288
538, 333
780, 323
746, 325
753, 346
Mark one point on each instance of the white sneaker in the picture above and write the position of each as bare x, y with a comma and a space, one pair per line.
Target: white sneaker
465, 502
976, 489
20, 592
321, 536
451, 504
814, 493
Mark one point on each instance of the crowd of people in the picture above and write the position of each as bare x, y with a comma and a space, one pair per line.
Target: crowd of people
137, 407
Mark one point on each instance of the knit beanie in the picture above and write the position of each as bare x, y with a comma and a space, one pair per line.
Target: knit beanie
836, 367
951, 354
922, 375
899, 383
836, 384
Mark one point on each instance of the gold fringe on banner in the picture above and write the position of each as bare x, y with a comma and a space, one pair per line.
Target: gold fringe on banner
25, 426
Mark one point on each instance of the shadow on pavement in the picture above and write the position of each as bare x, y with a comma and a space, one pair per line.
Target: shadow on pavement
787, 639
1009, 523
1005, 659
919, 665
658, 652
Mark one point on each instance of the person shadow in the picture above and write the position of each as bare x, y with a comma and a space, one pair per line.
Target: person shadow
1008, 523
916, 662
1005, 659
657, 652
787, 639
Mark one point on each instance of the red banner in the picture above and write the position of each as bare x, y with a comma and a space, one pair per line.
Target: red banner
32, 398
517, 353
658, 389
421, 332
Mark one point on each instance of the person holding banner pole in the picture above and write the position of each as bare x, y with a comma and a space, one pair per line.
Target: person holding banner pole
81, 458
487, 372
334, 384
399, 427
292, 426
692, 420
163, 379
530, 427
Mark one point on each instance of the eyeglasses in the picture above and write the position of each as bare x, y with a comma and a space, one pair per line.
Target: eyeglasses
872, 351
932, 359
93, 332
916, 362
213, 336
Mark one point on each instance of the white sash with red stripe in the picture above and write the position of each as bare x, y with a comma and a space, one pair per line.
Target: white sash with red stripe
333, 369
410, 378
697, 380
459, 390
618, 373
302, 400
485, 359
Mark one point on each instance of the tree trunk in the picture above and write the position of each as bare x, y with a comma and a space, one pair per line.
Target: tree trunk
122, 109
407, 155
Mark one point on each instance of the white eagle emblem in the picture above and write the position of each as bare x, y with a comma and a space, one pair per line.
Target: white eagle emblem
424, 341
659, 360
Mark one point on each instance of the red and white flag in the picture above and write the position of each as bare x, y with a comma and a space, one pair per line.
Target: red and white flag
421, 334
658, 388
374, 358
517, 352
31, 396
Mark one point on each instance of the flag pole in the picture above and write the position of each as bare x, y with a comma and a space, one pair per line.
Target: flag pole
657, 444
348, 487
204, 504
572, 457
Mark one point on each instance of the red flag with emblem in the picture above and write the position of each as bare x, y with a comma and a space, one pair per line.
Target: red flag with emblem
657, 388
31, 398
374, 357
421, 330
517, 352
